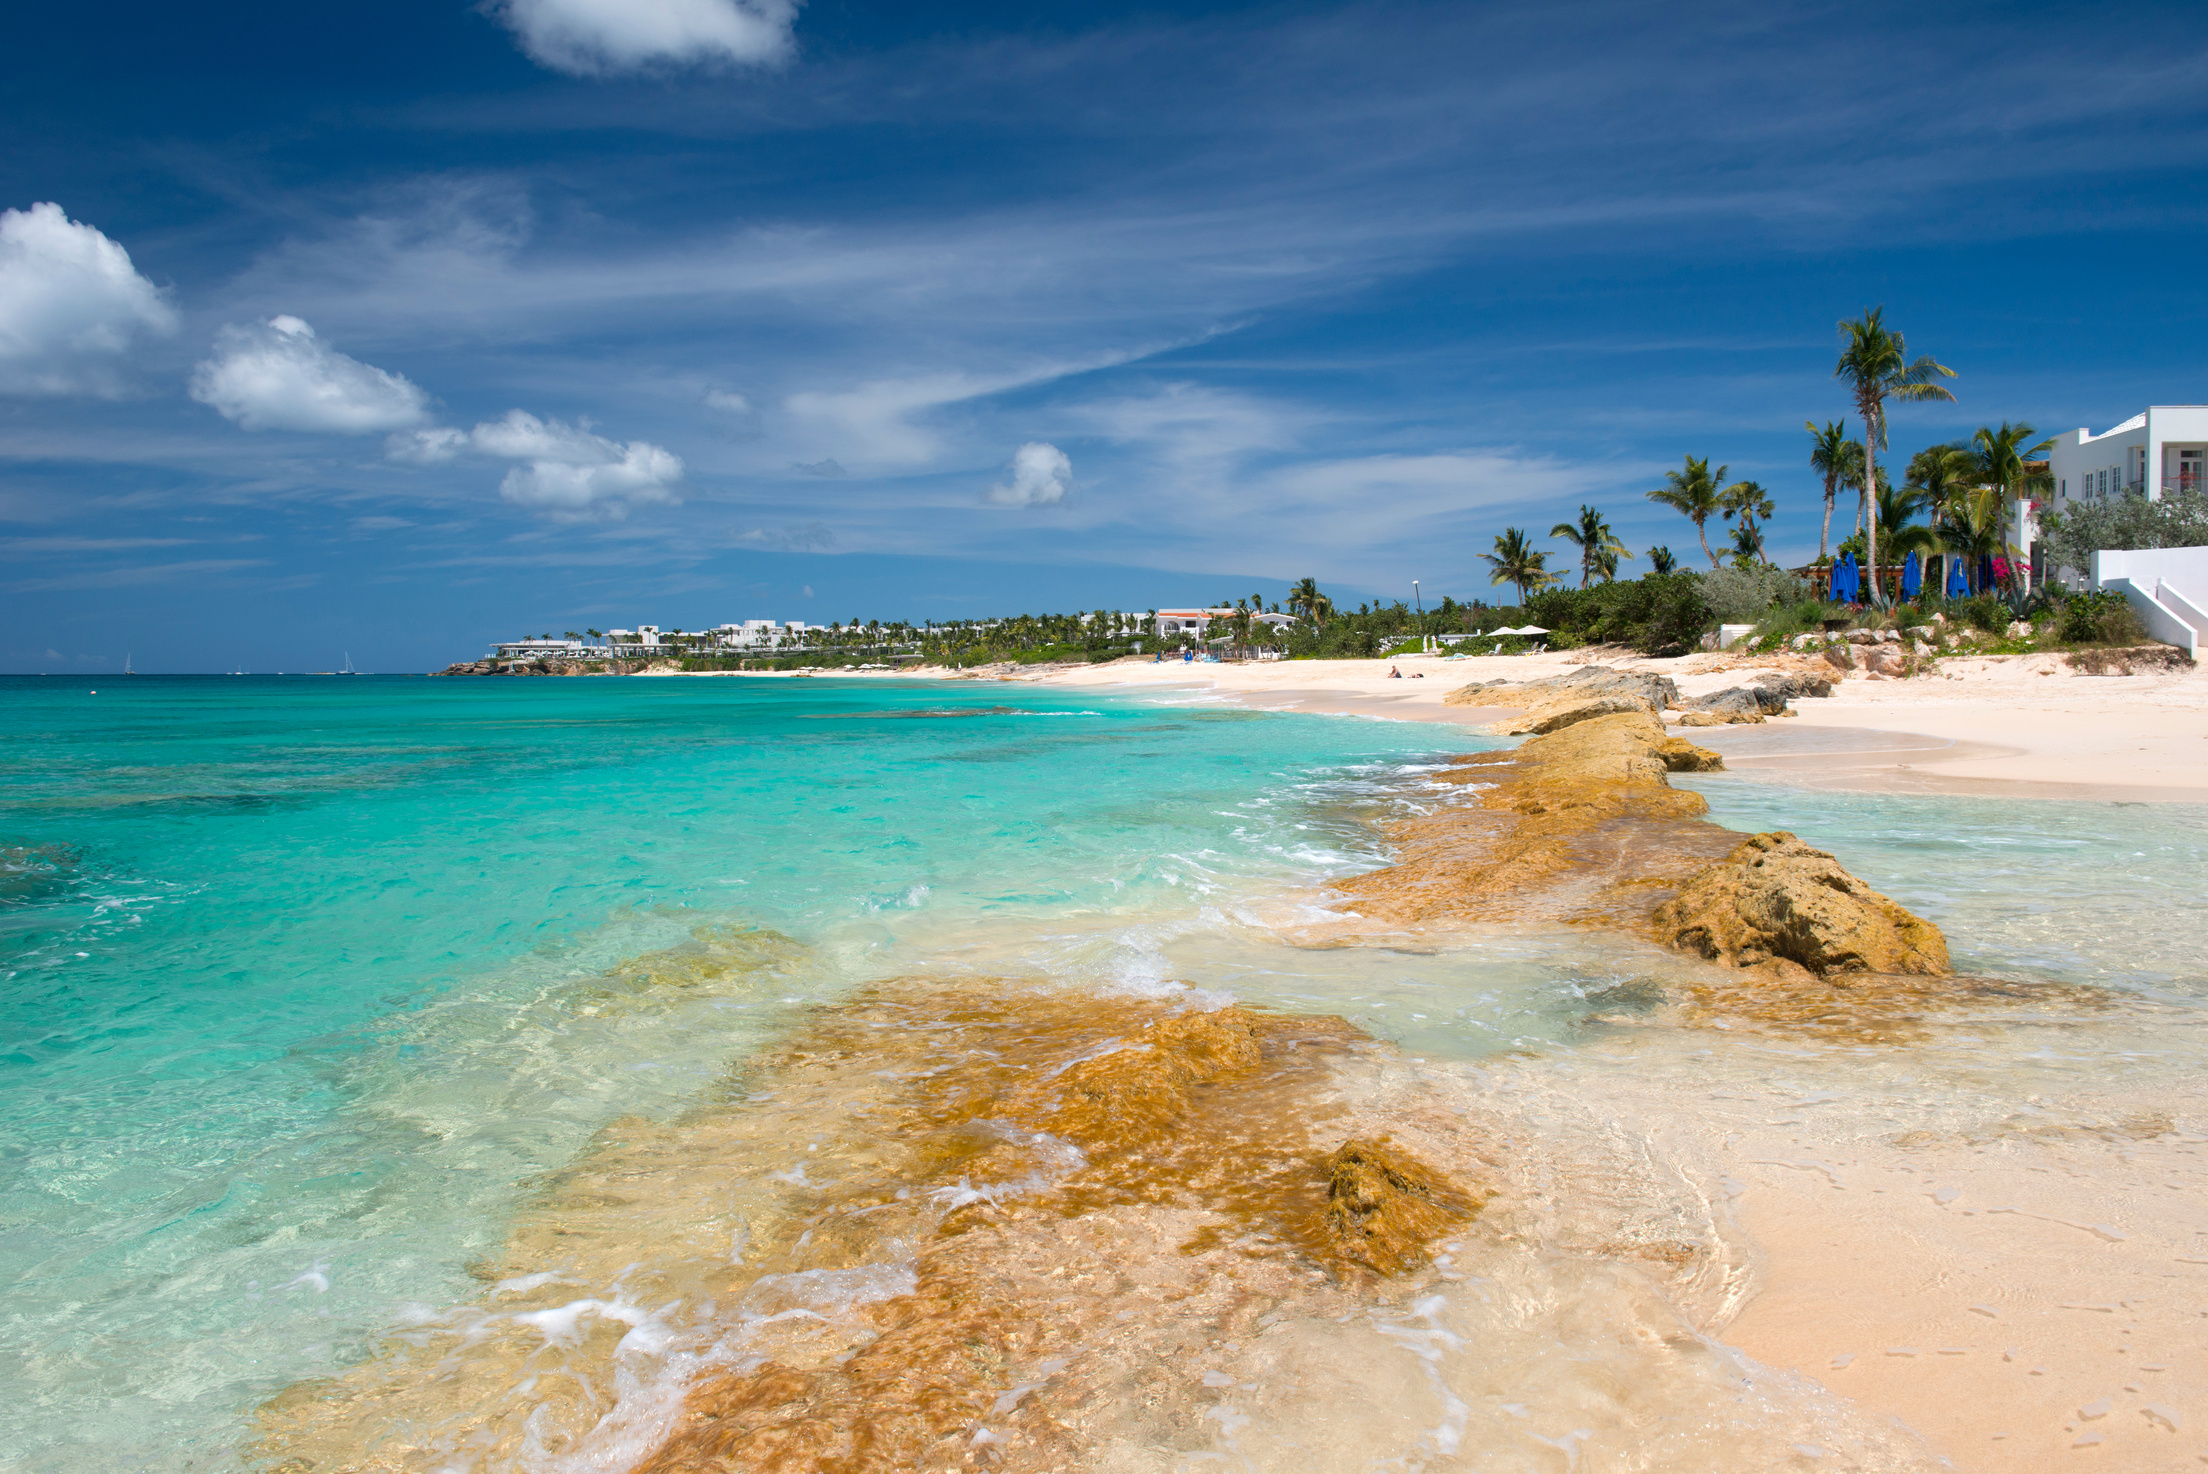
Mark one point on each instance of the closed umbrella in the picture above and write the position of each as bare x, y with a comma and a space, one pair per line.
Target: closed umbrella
1958, 583
1912, 577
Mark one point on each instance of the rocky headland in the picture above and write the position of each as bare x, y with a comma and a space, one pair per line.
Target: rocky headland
1581, 826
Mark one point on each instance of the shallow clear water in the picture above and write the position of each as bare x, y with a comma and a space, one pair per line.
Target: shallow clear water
2106, 893
305, 979
311, 983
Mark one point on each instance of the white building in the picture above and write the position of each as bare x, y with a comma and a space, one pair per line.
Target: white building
752, 634
543, 650
1173, 623
2162, 449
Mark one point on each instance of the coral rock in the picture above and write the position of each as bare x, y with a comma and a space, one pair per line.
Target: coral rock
1720, 718
1384, 1207
1776, 897
1682, 756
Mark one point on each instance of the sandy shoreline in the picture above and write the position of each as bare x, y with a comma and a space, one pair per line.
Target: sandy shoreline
2010, 727
2016, 727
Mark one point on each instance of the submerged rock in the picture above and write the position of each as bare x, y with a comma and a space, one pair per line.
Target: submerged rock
1384, 1207
1720, 718
1776, 898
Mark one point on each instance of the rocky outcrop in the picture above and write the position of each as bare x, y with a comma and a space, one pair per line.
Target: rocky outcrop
1755, 700
1777, 898
1556, 702
1583, 827
1766, 695
536, 668
1682, 756
1521, 846
1793, 685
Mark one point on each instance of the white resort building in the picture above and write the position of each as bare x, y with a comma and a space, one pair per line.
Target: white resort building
2160, 449
1173, 623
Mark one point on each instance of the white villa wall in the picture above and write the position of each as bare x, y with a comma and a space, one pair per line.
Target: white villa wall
2167, 586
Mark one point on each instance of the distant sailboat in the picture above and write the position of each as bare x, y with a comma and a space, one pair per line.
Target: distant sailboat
348, 671
126, 667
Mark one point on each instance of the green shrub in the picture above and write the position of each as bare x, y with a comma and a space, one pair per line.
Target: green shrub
1745, 595
2101, 617
1782, 622
2178, 520
1657, 614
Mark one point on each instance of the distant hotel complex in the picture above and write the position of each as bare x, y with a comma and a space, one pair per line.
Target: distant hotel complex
651, 642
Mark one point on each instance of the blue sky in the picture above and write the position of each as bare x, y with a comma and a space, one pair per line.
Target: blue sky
442, 323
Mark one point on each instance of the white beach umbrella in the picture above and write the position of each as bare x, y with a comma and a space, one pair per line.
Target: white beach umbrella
1531, 629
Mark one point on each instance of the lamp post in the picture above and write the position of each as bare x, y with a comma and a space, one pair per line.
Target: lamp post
1423, 648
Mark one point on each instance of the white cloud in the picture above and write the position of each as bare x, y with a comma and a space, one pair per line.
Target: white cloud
565, 469
278, 375
431, 447
590, 37
70, 304
872, 424
731, 403
1041, 476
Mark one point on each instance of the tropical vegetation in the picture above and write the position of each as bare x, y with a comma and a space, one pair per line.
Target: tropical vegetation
1875, 365
1516, 561
1692, 492
1599, 547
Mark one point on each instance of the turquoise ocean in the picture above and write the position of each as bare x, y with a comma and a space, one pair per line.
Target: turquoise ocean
308, 980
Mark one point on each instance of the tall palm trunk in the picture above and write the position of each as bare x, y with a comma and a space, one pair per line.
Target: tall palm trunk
1824, 533
1705, 537
1871, 413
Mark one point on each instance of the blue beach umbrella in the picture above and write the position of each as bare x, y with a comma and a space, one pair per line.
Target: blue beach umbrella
1985, 573
1846, 586
1958, 586
1912, 577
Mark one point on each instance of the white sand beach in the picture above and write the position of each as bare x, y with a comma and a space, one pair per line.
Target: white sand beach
2023, 726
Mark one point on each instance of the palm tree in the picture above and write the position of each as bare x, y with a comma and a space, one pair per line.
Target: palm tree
1306, 597
1594, 539
1973, 529
1517, 561
1945, 474
1693, 494
1660, 560
1898, 531
1750, 503
2001, 457
1875, 363
1830, 452
1747, 545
